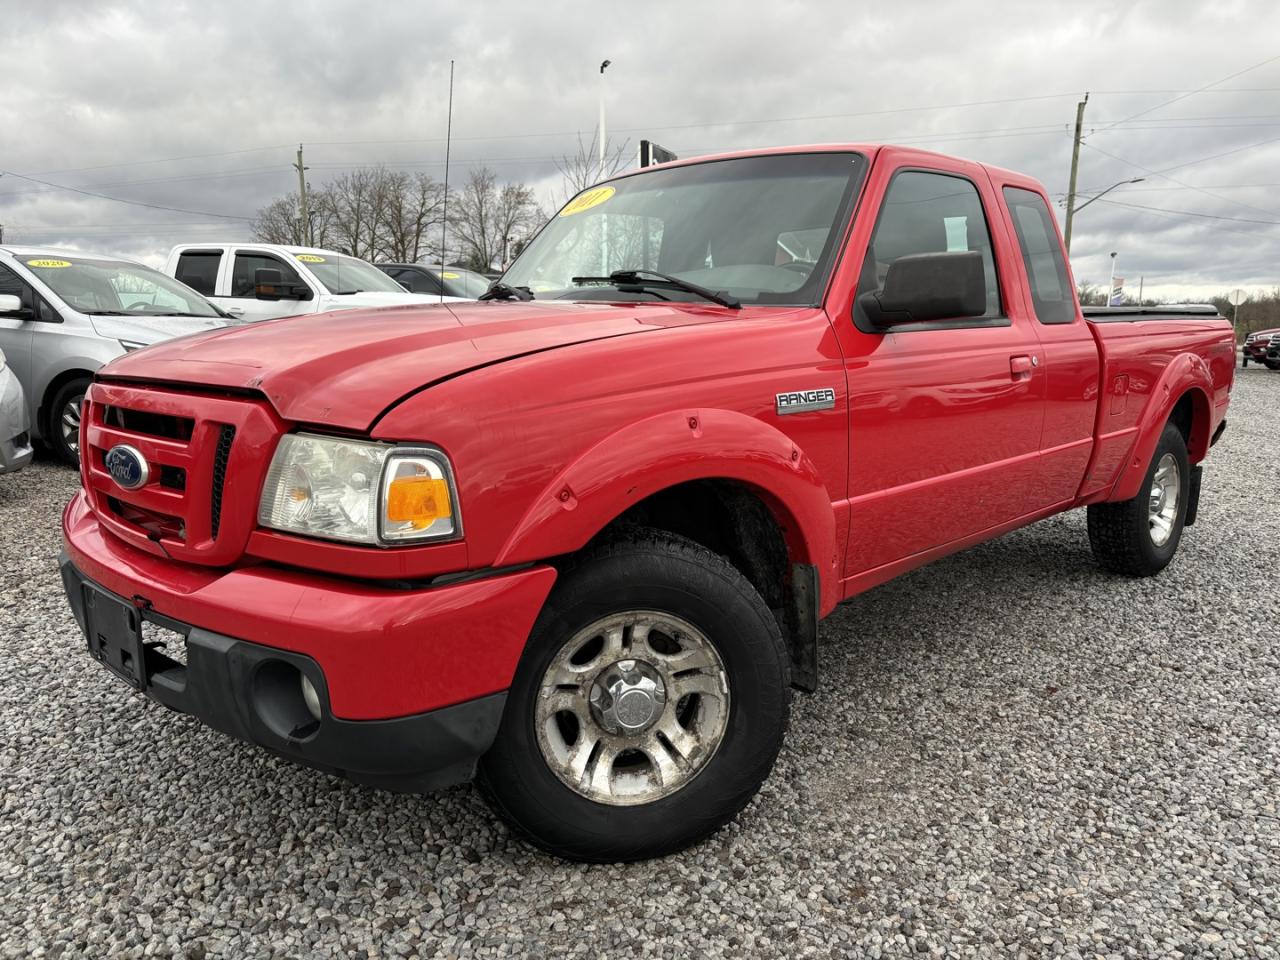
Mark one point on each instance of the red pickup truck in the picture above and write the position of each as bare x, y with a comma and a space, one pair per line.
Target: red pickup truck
575, 540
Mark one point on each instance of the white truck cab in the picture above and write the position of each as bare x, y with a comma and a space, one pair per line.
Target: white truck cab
262, 281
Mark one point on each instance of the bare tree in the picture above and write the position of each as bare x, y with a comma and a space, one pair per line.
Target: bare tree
411, 221
581, 169
279, 222
356, 202
490, 220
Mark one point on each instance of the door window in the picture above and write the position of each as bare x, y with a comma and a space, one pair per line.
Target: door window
417, 281
1051, 292
198, 269
246, 267
929, 213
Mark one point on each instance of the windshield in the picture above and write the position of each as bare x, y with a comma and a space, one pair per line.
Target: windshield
762, 229
462, 283
343, 275
118, 287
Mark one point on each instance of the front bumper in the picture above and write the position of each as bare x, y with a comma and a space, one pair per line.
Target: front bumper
251, 692
411, 683
15, 441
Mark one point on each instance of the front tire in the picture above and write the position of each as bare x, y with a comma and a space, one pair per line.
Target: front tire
648, 707
1139, 537
62, 430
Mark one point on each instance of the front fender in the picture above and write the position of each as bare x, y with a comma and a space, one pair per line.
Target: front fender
676, 447
1187, 373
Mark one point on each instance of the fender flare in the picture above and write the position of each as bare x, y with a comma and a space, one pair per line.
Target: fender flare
667, 449
1188, 373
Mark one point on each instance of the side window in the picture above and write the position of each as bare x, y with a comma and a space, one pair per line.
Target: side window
246, 267
198, 269
417, 281
14, 286
929, 213
1051, 292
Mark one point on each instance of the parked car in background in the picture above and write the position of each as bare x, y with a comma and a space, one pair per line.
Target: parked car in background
262, 281
584, 540
1256, 346
15, 439
435, 280
64, 314
1272, 358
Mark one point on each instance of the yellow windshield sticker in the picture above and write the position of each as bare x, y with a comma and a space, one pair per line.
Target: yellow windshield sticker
310, 258
49, 264
585, 201
451, 276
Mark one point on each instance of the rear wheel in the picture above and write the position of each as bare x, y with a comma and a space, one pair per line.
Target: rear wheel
1140, 536
62, 430
648, 708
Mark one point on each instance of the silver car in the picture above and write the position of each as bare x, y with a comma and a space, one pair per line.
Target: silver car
15, 440
63, 315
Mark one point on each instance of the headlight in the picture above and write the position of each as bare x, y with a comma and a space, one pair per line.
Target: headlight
359, 491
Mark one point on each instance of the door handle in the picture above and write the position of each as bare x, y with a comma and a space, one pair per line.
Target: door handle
1020, 367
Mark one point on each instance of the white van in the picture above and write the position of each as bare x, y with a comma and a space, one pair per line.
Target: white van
261, 281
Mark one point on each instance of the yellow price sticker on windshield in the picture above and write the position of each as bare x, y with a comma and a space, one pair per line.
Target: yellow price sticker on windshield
310, 258
49, 264
585, 201
451, 276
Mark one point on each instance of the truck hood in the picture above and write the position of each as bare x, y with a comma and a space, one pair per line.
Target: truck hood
343, 369
379, 298
148, 330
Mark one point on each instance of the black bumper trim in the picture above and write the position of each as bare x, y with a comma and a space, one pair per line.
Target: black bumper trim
221, 685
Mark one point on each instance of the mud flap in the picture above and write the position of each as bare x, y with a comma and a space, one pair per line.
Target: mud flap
1193, 496
802, 627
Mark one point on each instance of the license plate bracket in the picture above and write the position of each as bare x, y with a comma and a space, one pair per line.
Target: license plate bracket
114, 630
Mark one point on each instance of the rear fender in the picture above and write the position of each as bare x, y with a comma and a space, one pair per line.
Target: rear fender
676, 447
1187, 374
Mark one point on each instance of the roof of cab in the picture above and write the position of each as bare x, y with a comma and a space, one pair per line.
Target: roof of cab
18, 252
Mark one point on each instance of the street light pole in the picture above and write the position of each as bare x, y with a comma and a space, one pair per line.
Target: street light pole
1099, 196
1111, 287
603, 66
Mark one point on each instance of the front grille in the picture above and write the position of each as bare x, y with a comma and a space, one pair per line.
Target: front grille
149, 424
220, 458
207, 456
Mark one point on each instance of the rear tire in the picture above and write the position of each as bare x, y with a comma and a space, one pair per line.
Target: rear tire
595, 765
62, 426
1139, 537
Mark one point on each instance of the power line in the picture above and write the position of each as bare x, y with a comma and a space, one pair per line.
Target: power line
1191, 213
1192, 93
136, 203
1165, 176
1206, 226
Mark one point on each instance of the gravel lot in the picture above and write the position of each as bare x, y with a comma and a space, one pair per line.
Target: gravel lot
1011, 753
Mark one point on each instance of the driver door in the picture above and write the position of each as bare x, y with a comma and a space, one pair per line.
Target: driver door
239, 299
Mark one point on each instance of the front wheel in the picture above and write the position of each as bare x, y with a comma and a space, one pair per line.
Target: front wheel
62, 432
1140, 536
648, 708
1271, 364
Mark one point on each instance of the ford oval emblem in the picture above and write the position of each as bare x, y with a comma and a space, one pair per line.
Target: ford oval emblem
127, 466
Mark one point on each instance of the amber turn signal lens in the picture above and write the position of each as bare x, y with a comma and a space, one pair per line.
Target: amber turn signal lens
419, 501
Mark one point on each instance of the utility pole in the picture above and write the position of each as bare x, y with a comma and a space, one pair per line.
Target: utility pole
600, 175
307, 239
1075, 167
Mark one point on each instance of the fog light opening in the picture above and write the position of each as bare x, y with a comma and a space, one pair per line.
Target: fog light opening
310, 696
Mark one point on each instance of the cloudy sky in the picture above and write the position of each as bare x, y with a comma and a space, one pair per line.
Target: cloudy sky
200, 106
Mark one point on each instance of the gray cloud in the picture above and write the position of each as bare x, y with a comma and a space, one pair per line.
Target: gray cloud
102, 97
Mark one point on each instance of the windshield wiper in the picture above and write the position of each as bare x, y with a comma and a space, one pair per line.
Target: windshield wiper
502, 291
631, 280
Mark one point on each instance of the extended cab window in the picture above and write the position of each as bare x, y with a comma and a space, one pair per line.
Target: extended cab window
929, 213
246, 267
198, 269
1051, 292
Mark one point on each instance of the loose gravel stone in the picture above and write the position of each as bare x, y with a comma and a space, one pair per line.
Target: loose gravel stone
1011, 753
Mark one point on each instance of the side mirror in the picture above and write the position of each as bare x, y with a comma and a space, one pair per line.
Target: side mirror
929, 286
268, 284
11, 306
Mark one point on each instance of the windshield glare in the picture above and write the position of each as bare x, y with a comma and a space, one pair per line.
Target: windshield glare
763, 229
116, 286
345, 275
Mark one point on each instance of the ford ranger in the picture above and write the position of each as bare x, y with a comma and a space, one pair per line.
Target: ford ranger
575, 539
